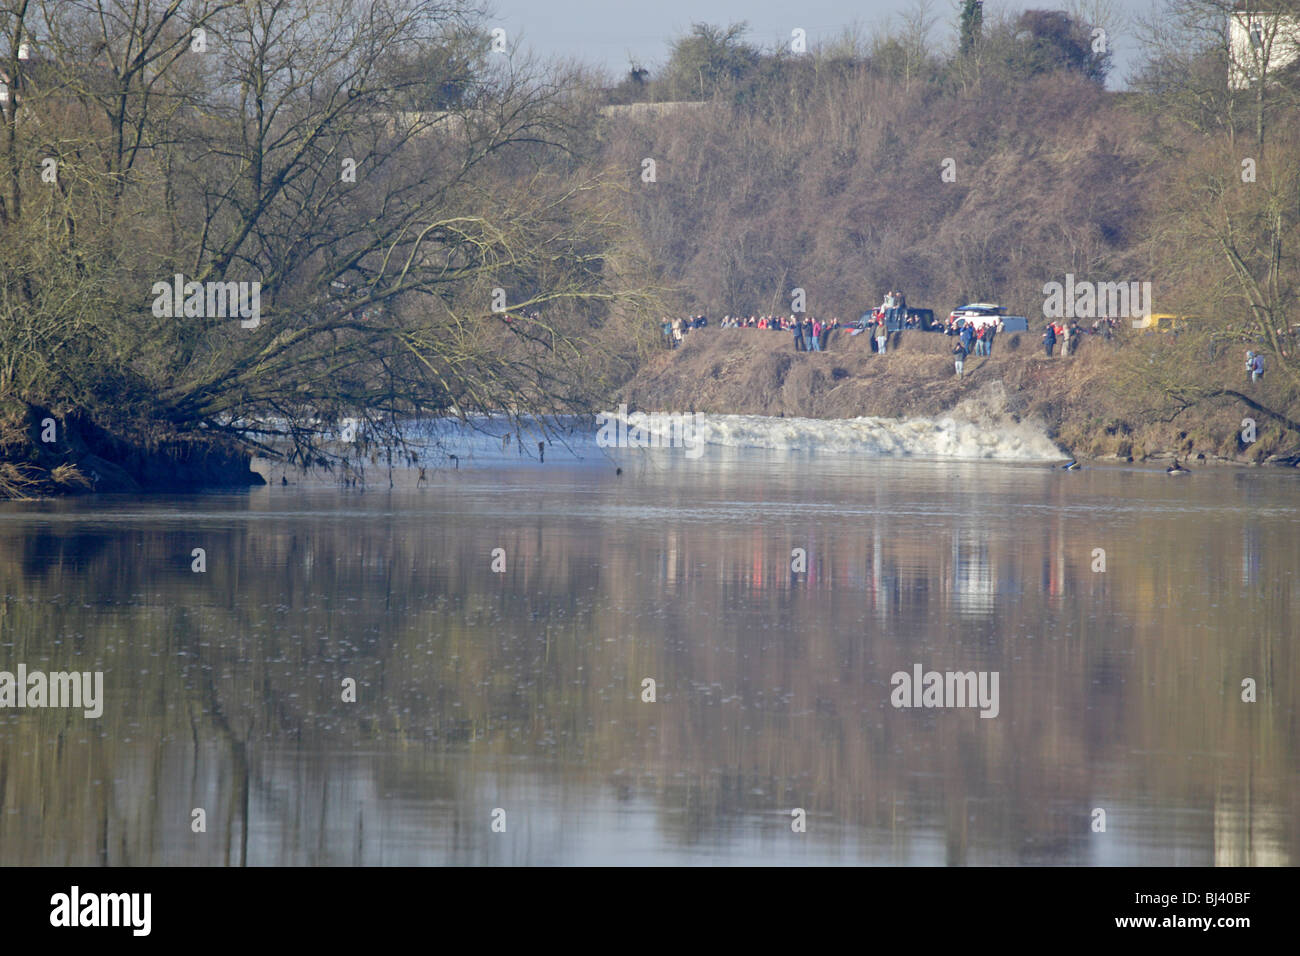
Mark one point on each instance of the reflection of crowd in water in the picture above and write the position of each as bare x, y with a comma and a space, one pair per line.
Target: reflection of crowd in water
967, 576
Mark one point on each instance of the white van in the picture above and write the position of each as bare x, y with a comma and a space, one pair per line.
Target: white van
977, 314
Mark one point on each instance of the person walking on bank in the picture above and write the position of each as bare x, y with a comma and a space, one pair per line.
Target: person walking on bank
959, 354
1255, 366
1049, 339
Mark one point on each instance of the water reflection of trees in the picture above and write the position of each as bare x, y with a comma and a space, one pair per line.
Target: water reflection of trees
1118, 690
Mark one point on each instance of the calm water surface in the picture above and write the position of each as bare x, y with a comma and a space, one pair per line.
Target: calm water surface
1119, 690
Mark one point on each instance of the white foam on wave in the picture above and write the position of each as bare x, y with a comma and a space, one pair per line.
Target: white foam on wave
979, 427
948, 437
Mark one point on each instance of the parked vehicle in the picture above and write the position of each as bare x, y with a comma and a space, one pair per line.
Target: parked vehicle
977, 314
924, 319
1162, 322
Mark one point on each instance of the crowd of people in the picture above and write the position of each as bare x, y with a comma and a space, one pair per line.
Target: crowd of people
894, 308
1069, 334
810, 334
673, 330
972, 339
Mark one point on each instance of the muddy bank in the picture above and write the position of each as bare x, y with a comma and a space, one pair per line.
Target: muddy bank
1078, 400
43, 454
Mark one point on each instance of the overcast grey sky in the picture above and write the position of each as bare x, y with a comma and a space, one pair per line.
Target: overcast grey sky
608, 33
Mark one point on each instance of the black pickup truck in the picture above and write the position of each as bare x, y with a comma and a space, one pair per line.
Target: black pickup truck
921, 318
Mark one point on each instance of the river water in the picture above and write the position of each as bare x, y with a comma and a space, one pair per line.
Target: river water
499, 714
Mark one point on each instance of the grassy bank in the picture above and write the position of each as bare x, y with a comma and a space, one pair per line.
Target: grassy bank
1095, 404
45, 454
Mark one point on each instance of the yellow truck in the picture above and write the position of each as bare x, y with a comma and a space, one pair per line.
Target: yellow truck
1163, 321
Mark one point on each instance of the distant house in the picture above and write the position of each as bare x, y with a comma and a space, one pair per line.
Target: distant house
650, 110
1263, 39
42, 75
24, 55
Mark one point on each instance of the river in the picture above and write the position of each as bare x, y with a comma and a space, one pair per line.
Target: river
500, 620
